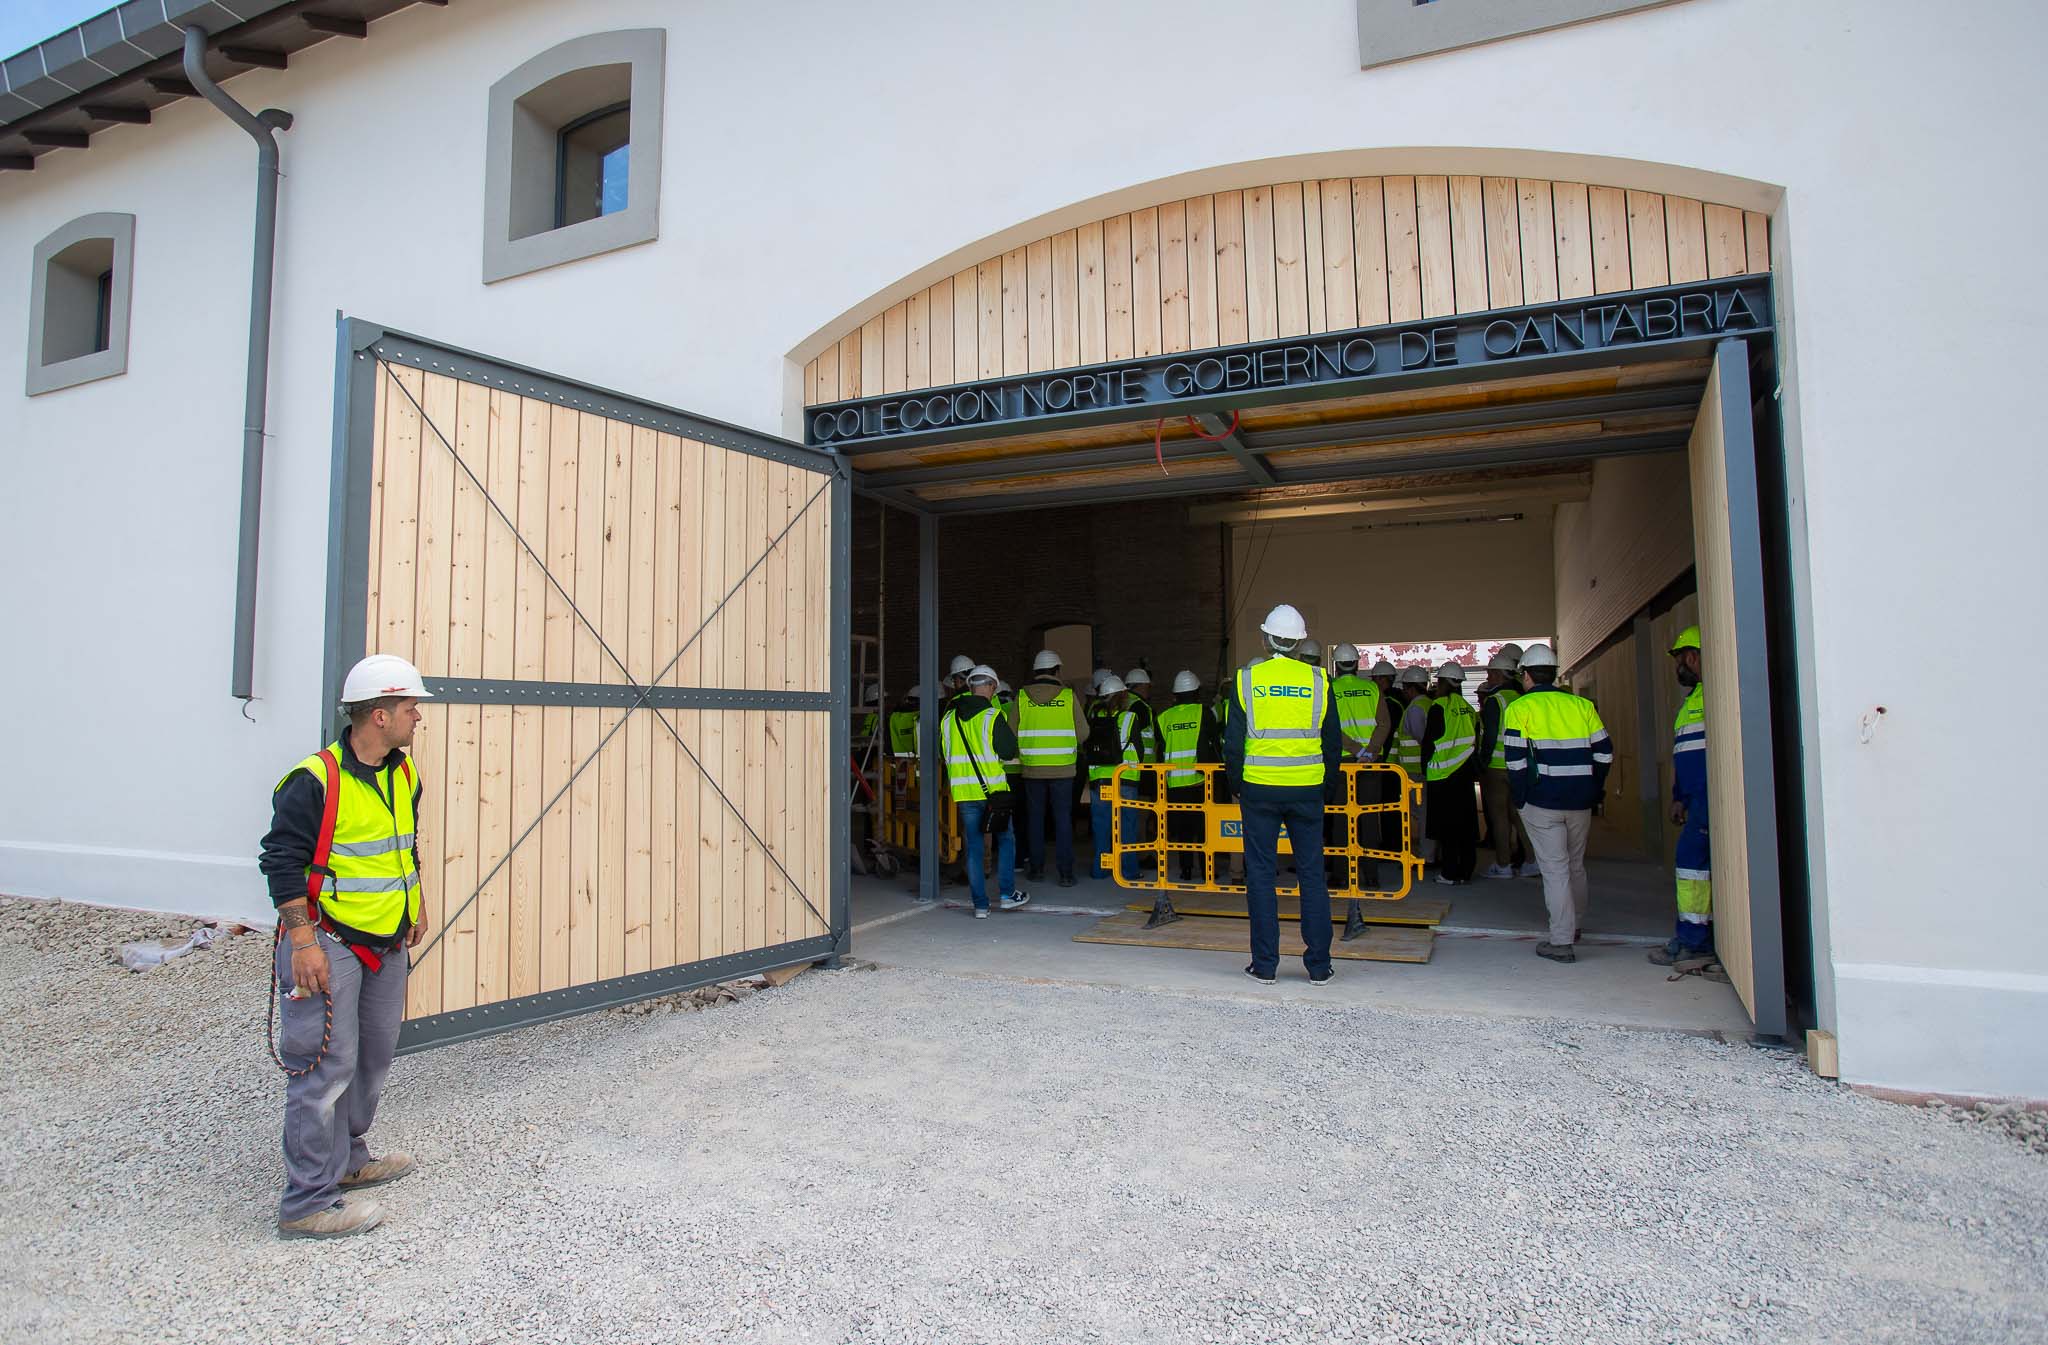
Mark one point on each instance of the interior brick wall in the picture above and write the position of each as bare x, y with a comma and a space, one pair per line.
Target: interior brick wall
1148, 581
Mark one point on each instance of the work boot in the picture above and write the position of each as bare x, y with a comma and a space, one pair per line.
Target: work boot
339, 1220
1035, 875
377, 1171
1066, 880
1668, 954
1557, 952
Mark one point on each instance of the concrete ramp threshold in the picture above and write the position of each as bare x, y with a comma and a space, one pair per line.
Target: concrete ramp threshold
1477, 961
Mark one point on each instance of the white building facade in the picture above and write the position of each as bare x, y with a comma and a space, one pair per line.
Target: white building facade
816, 163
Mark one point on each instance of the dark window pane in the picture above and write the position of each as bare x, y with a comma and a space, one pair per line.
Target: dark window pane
591, 178
103, 327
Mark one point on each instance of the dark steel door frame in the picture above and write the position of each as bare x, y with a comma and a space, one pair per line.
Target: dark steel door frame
360, 348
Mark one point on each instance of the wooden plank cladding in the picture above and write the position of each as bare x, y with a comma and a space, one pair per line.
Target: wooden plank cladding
1284, 260
515, 540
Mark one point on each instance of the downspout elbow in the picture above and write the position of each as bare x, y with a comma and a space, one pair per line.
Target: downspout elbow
262, 127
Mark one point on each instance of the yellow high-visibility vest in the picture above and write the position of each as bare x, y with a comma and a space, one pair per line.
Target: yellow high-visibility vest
1284, 703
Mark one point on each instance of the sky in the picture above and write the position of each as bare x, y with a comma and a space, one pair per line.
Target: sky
23, 23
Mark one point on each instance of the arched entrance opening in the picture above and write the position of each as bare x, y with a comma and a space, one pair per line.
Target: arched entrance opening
1426, 409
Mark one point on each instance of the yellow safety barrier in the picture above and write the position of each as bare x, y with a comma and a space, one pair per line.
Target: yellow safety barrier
901, 812
1223, 834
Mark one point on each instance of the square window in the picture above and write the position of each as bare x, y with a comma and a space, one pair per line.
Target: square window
574, 147
78, 303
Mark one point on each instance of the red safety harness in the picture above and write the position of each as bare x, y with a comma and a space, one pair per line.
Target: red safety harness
318, 871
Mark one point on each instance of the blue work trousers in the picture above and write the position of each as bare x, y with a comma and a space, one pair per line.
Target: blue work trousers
1057, 795
1127, 831
971, 839
1300, 811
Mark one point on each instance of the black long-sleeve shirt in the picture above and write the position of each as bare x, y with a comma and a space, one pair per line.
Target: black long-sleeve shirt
295, 811
1233, 757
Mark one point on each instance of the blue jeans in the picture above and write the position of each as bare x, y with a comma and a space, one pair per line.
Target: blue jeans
1058, 795
971, 838
1098, 823
1266, 810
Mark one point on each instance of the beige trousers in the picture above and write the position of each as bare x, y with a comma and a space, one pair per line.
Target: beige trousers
1503, 824
1558, 838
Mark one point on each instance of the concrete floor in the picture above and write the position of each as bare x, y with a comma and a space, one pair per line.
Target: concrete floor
1484, 964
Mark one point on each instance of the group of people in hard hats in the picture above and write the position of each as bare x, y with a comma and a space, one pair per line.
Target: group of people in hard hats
1530, 756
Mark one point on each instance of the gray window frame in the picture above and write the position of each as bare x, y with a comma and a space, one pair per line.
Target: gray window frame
47, 375
1401, 30
520, 155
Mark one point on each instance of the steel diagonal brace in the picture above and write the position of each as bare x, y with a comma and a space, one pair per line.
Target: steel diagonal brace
642, 692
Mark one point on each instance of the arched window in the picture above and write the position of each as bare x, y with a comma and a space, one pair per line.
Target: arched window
78, 303
574, 146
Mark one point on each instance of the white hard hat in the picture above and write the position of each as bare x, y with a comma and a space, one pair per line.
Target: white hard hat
1504, 662
1512, 650
1345, 653
1539, 656
1002, 687
981, 672
1044, 661
1111, 684
1101, 675
961, 664
1308, 649
914, 693
382, 675
1451, 672
1413, 677
1284, 623
1136, 677
1185, 680
1383, 669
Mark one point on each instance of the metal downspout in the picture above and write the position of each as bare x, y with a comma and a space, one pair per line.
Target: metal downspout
262, 128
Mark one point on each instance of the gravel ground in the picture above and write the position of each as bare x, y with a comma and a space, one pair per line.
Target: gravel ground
893, 1157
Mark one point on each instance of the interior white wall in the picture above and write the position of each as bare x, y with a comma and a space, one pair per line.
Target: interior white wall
819, 154
1356, 582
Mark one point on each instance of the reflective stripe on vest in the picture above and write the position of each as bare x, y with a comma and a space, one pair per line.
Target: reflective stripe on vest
1499, 760
1689, 730
1562, 732
971, 747
1460, 738
1284, 704
1180, 738
1358, 705
1403, 748
1045, 733
371, 881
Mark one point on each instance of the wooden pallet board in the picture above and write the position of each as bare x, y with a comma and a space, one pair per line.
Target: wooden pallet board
1379, 943
1231, 905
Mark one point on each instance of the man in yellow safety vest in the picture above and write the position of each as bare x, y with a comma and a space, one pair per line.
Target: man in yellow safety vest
1558, 754
976, 738
1283, 749
1050, 728
1503, 686
1188, 737
341, 860
1450, 770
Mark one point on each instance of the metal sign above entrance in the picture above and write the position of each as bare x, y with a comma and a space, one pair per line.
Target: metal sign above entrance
1612, 326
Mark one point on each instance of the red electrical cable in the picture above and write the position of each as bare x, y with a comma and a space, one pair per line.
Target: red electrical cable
1159, 436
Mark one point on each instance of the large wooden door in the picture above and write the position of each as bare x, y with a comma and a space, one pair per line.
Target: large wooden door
1728, 551
633, 622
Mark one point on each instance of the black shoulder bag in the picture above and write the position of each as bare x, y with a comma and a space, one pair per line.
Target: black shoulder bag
995, 817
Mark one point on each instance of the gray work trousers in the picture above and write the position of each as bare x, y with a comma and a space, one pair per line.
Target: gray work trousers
328, 1110
1558, 836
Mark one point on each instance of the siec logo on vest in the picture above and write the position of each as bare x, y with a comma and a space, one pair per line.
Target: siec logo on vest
1302, 693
